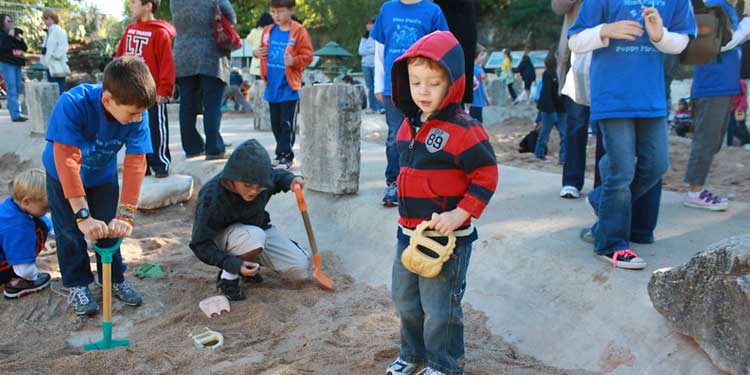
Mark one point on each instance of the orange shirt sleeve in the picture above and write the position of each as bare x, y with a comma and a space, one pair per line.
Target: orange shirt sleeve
133, 171
68, 165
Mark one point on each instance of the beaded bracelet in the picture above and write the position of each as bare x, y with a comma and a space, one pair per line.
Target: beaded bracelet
126, 212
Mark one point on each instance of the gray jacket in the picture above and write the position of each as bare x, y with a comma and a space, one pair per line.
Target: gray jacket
195, 51
569, 9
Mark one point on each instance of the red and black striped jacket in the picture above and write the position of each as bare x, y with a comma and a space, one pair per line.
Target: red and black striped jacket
448, 162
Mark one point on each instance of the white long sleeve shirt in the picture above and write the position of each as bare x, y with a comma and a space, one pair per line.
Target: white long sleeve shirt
591, 39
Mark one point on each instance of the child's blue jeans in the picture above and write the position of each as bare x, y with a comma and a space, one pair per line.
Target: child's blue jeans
548, 121
432, 326
637, 157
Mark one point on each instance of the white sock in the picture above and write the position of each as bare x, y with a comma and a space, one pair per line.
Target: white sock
229, 276
694, 194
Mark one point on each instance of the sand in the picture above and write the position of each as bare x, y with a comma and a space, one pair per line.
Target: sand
281, 329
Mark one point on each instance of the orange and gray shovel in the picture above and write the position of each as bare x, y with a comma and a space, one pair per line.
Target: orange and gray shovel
324, 281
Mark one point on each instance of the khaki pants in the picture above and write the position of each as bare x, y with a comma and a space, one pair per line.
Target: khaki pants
279, 253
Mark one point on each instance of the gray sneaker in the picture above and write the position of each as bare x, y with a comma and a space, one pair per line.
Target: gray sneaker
80, 299
126, 294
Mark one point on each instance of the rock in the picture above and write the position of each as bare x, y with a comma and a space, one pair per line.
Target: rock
262, 118
330, 120
41, 98
708, 299
163, 192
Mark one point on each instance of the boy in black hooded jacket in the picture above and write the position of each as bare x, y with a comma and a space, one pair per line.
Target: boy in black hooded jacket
232, 229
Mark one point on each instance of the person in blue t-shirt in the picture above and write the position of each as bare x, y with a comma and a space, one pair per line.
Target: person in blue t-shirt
714, 85
399, 24
480, 98
628, 99
23, 232
88, 127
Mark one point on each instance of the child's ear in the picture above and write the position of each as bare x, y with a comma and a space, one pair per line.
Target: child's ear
107, 98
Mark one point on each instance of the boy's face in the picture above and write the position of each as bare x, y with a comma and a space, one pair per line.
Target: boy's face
124, 114
247, 191
34, 208
428, 87
138, 10
282, 16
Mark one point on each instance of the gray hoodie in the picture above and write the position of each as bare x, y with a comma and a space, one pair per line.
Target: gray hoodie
219, 206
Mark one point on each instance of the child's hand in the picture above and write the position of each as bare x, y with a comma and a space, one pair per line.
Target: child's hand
297, 182
654, 24
379, 96
288, 60
261, 52
249, 269
119, 228
448, 221
93, 229
627, 30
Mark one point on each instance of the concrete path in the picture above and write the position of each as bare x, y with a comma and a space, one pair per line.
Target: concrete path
540, 286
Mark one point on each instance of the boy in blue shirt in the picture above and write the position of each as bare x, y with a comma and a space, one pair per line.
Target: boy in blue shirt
88, 127
714, 86
400, 23
22, 235
285, 50
629, 102
480, 98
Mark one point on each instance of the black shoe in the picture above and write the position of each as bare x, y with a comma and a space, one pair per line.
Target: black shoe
285, 163
21, 119
18, 287
160, 174
231, 289
257, 279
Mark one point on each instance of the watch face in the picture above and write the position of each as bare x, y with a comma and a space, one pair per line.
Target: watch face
82, 214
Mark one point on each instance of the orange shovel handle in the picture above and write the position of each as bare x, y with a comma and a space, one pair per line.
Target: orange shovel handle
300, 198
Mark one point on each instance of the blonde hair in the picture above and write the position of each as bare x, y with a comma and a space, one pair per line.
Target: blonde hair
431, 64
49, 13
31, 184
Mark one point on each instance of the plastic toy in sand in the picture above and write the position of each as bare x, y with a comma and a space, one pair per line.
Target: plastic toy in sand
421, 263
214, 305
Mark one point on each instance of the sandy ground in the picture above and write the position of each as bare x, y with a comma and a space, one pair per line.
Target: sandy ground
280, 329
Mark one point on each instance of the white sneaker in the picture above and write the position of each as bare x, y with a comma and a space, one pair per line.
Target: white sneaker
429, 371
707, 201
570, 192
401, 367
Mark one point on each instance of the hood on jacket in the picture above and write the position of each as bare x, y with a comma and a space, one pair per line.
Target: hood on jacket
249, 163
158, 24
442, 47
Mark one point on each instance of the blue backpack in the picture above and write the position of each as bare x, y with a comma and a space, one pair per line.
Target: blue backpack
538, 92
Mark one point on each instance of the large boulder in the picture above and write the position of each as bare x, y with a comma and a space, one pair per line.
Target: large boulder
163, 192
708, 299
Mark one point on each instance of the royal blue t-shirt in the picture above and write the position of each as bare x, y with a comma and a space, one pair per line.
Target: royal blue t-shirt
627, 78
278, 89
479, 99
78, 120
719, 79
399, 25
17, 234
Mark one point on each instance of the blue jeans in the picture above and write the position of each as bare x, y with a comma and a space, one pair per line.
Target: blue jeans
738, 130
432, 327
625, 180
394, 118
71, 245
12, 76
211, 91
59, 80
548, 120
576, 140
369, 73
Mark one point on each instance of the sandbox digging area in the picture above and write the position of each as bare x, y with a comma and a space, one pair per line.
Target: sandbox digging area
281, 329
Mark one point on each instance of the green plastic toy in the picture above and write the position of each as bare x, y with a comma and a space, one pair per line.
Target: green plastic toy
106, 342
149, 270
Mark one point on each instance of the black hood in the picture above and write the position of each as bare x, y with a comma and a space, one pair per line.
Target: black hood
249, 163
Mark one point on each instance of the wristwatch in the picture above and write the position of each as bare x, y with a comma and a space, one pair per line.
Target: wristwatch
82, 214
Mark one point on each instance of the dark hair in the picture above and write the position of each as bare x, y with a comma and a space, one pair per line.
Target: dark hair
154, 4
129, 81
526, 58
507, 53
347, 79
550, 62
282, 3
3, 17
366, 34
264, 20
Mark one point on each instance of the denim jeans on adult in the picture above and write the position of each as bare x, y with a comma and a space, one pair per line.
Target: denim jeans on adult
576, 140
394, 118
59, 80
369, 73
71, 245
548, 121
195, 90
637, 155
283, 125
432, 327
12, 77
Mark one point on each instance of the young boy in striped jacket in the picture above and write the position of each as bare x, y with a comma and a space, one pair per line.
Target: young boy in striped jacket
448, 167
